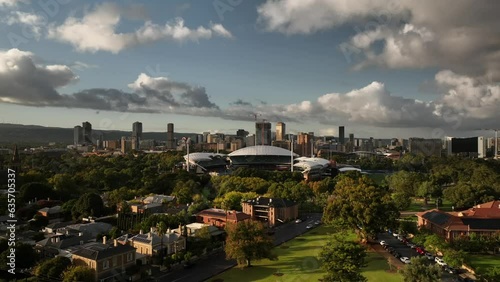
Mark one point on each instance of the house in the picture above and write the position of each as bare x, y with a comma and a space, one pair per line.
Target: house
271, 210
158, 199
219, 217
59, 243
482, 219
150, 204
93, 228
50, 213
109, 261
149, 244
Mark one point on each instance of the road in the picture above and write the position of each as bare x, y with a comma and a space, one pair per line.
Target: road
406, 251
206, 268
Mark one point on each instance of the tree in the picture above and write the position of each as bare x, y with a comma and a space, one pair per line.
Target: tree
25, 256
53, 268
89, 204
455, 258
342, 260
161, 227
79, 273
401, 200
420, 271
360, 205
246, 241
435, 243
30, 191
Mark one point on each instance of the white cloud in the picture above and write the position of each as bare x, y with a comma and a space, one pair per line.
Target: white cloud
414, 34
96, 31
10, 3
32, 21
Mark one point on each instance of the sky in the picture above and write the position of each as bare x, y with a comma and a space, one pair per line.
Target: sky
381, 68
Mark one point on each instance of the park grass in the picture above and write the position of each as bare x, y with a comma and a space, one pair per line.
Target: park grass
298, 261
377, 269
483, 262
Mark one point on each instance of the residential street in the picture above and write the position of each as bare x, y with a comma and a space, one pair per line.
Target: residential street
206, 268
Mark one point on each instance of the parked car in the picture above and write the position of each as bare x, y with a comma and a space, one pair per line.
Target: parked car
413, 246
298, 220
396, 255
383, 243
440, 261
429, 256
420, 250
449, 269
395, 234
317, 222
405, 260
309, 226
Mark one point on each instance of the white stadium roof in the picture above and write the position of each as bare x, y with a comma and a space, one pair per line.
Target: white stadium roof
318, 161
198, 157
262, 150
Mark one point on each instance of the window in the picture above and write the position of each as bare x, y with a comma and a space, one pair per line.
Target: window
130, 256
105, 264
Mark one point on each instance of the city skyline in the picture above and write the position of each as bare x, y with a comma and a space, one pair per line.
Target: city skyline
381, 69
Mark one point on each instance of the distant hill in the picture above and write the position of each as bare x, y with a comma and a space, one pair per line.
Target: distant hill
34, 134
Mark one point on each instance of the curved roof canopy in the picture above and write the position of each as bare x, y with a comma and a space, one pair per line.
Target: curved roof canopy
198, 157
262, 150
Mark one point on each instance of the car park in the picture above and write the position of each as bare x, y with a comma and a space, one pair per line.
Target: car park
405, 260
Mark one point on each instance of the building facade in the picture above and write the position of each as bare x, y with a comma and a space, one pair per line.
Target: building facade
219, 217
426, 147
482, 220
272, 211
263, 132
170, 136
280, 131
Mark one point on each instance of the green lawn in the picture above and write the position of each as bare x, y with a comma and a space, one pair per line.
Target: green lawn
484, 261
297, 261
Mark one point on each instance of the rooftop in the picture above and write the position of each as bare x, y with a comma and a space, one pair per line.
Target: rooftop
99, 251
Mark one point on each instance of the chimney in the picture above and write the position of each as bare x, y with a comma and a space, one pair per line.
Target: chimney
152, 229
115, 243
104, 240
140, 231
180, 229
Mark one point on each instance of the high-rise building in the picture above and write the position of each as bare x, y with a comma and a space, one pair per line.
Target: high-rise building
280, 131
304, 144
78, 135
170, 136
263, 132
87, 132
341, 135
137, 131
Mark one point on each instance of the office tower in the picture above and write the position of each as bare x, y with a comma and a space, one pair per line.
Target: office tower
137, 131
341, 135
126, 144
263, 132
170, 136
78, 135
280, 131
351, 138
304, 144
87, 132
426, 147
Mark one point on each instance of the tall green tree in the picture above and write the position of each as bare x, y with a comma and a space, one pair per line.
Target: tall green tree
89, 204
248, 241
78, 274
342, 260
53, 268
420, 271
359, 204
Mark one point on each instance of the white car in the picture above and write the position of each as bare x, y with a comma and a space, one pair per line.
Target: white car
395, 234
309, 226
383, 243
440, 261
405, 260
298, 220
